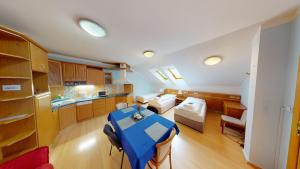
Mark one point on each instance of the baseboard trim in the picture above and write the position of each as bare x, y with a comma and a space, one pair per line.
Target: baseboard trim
253, 165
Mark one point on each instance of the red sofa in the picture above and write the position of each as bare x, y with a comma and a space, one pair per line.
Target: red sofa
36, 159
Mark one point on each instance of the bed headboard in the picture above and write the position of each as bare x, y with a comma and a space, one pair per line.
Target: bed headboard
171, 91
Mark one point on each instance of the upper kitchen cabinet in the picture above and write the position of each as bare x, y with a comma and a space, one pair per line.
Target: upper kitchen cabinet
95, 76
39, 59
74, 72
55, 73
80, 74
68, 70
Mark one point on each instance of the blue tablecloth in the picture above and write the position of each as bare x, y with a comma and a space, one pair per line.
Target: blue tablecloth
137, 144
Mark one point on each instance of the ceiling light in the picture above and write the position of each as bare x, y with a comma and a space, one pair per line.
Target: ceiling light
148, 54
212, 60
92, 28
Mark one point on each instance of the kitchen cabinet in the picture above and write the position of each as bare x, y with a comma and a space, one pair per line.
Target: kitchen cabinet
46, 120
74, 72
80, 74
95, 76
84, 110
128, 88
99, 107
69, 71
67, 116
39, 59
110, 104
55, 73
121, 99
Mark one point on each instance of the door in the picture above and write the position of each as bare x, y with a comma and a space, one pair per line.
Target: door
80, 74
69, 72
294, 157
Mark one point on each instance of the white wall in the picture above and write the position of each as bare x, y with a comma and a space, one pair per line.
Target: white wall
244, 91
251, 93
140, 84
263, 130
289, 93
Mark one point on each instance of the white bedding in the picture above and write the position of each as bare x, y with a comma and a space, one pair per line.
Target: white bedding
197, 113
147, 97
163, 100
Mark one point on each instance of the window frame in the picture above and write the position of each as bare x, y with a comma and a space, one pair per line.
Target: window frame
174, 75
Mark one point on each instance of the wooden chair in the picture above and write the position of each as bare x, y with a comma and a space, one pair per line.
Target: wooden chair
163, 149
120, 106
234, 122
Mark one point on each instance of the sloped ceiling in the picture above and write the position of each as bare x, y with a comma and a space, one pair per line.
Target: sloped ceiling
235, 49
133, 26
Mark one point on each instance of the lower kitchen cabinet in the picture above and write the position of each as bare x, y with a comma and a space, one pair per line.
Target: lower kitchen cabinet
67, 116
110, 104
84, 110
99, 107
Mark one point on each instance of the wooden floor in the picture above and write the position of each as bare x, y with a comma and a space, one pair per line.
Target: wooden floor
84, 146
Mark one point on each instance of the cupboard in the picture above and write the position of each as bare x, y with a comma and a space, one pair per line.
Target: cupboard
55, 73
95, 76
84, 110
67, 116
99, 107
74, 72
39, 59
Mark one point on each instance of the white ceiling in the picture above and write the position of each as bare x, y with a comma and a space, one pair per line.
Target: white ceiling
235, 49
164, 26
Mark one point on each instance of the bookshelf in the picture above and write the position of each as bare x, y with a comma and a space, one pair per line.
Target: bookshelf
18, 84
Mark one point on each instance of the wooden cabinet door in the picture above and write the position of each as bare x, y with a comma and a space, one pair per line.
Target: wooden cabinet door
69, 71
46, 120
110, 104
99, 107
55, 73
84, 110
67, 116
80, 74
95, 76
39, 59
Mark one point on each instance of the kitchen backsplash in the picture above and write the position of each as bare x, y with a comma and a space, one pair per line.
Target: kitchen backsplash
83, 91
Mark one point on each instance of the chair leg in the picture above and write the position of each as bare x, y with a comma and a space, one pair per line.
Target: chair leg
170, 158
110, 150
122, 159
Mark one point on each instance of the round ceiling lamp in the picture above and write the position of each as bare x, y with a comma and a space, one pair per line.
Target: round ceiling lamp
149, 54
213, 60
92, 28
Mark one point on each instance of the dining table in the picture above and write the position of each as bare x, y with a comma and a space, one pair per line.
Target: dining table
139, 137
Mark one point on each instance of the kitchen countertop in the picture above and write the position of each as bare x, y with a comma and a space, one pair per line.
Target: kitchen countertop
55, 104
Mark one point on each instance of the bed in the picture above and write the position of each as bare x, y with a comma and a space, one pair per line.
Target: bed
191, 112
163, 103
146, 98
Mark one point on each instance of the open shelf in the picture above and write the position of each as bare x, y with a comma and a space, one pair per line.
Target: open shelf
16, 119
18, 154
19, 137
14, 77
25, 88
8, 34
13, 56
15, 98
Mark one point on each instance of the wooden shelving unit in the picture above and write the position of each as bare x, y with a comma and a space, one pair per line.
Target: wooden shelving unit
17, 112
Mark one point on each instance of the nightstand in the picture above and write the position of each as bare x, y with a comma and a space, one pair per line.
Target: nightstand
233, 109
178, 100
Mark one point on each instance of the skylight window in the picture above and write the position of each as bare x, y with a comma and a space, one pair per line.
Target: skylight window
160, 74
174, 72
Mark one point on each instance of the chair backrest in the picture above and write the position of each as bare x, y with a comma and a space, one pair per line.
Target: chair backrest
121, 106
164, 147
244, 117
151, 108
112, 136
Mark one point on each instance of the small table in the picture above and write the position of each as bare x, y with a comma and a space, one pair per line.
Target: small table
179, 100
233, 109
